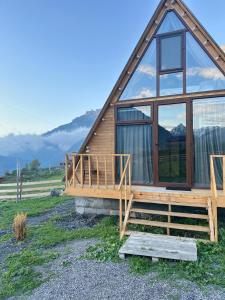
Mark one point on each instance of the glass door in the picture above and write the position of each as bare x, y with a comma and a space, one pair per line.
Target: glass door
171, 145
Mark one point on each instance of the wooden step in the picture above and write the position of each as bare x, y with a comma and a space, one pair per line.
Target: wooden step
158, 246
172, 214
169, 225
167, 201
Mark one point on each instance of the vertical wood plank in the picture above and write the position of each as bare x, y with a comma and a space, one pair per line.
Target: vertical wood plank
121, 213
211, 221
66, 170
97, 166
169, 219
224, 175
81, 170
121, 166
113, 171
129, 174
125, 186
105, 165
89, 170
73, 164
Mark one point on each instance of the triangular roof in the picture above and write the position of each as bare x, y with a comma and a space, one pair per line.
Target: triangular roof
194, 26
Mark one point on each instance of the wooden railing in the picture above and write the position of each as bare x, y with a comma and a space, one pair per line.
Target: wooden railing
102, 171
214, 189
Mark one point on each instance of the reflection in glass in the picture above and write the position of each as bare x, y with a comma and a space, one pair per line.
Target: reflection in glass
202, 73
134, 113
172, 143
171, 84
170, 23
143, 82
209, 137
171, 52
137, 141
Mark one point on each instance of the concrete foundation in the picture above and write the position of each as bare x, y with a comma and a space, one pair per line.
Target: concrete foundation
96, 206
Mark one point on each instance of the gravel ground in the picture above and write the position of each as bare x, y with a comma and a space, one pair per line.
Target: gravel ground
88, 280
74, 278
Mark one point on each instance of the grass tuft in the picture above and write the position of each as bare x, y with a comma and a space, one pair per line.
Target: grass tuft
19, 226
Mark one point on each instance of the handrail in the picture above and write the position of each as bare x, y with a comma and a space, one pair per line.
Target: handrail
124, 173
100, 171
214, 190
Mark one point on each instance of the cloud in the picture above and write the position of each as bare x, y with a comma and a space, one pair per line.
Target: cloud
207, 73
147, 70
144, 93
223, 48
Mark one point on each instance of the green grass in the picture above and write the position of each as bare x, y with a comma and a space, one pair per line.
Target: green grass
19, 274
33, 207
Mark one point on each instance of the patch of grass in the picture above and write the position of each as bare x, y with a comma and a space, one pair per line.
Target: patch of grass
6, 237
139, 265
66, 263
32, 207
48, 235
20, 276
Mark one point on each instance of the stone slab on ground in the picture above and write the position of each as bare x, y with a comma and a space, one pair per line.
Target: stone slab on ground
160, 246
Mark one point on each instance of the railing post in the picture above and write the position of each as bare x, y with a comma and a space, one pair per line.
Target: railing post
129, 173
97, 165
105, 164
73, 163
121, 166
223, 174
81, 170
89, 170
113, 171
66, 170
121, 212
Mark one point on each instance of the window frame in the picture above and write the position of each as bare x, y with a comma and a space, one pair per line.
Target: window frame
159, 37
133, 122
169, 36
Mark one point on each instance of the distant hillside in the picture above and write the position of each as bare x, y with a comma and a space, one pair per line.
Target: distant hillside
84, 121
49, 148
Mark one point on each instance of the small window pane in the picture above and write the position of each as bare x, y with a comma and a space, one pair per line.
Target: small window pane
143, 82
202, 73
170, 23
171, 84
171, 53
136, 113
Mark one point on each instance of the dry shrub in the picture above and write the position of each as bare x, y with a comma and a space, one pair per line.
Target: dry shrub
19, 226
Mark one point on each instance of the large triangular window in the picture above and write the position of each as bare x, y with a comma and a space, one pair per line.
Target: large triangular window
202, 73
170, 23
174, 63
143, 82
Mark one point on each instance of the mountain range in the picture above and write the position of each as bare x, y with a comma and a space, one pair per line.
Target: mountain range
49, 148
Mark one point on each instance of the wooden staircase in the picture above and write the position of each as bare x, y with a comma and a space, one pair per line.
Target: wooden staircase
165, 211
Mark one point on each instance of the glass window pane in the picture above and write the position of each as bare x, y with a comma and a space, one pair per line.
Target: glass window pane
172, 143
202, 73
171, 84
209, 137
171, 52
143, 82
134, 113
170, 23
137, 141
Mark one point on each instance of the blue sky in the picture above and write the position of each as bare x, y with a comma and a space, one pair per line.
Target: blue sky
59, 58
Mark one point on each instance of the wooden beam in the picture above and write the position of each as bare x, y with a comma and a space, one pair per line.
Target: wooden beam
169, 225
170, 213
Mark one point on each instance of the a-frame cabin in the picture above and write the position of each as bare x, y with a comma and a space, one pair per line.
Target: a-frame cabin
160, 137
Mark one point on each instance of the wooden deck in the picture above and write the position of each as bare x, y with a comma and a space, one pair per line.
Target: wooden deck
195, 197
93, 176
